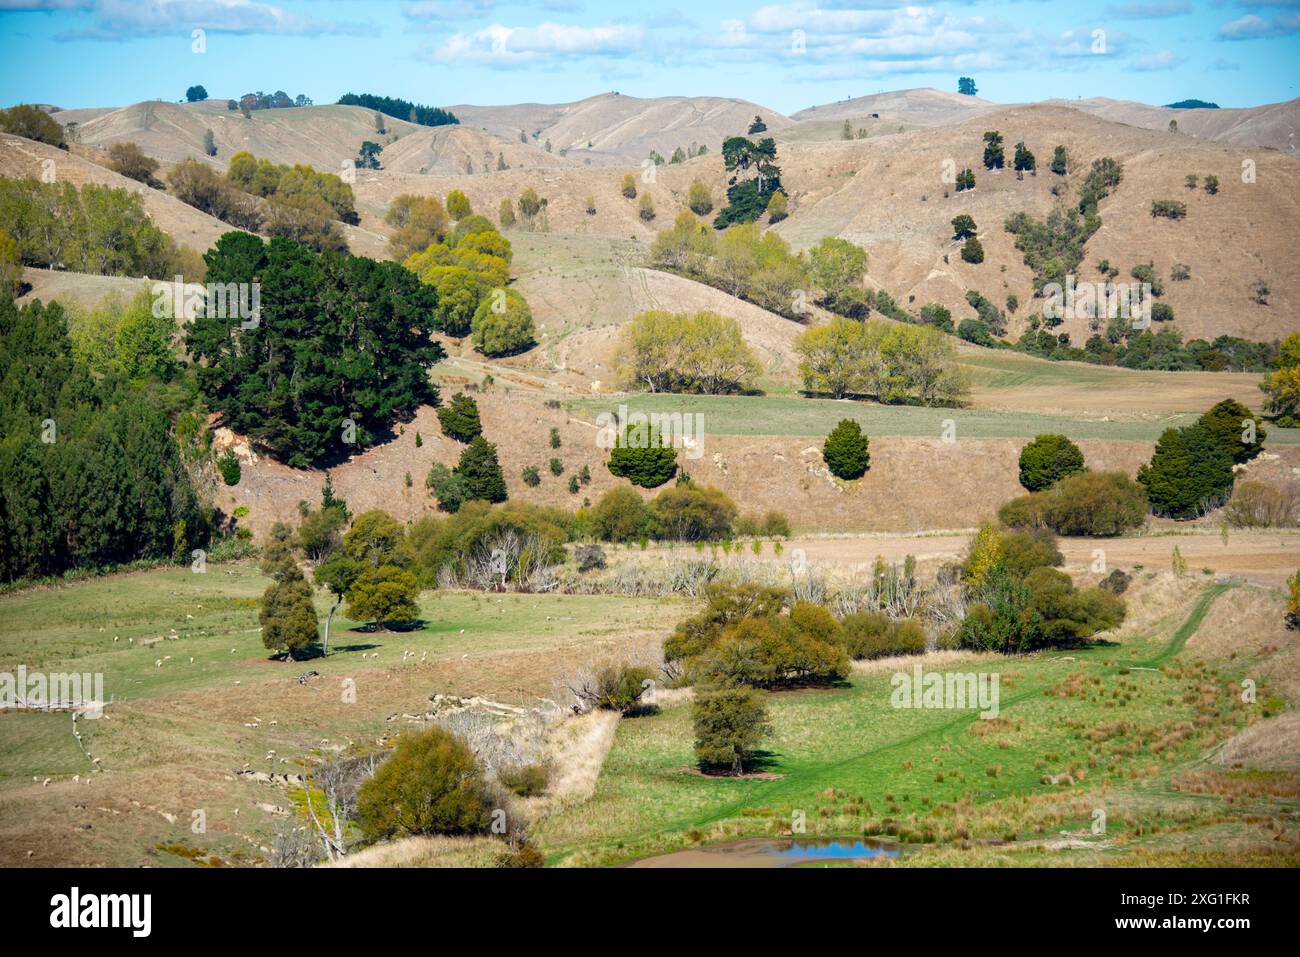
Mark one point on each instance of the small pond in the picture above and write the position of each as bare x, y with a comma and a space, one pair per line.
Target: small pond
774, 852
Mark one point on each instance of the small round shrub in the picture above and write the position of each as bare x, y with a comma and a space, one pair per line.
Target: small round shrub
1048, 459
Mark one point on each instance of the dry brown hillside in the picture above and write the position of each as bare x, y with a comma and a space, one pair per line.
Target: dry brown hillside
615, 129
452, 150
887, 194
1272, 125
325, 137
921, 107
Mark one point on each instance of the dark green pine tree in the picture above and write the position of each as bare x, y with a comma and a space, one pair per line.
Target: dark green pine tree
460, 419
288, 616
846, 451
1189, 473
480, 471
1231, 424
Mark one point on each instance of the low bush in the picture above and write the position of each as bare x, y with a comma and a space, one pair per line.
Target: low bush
870, 634
431, 784
1089, 503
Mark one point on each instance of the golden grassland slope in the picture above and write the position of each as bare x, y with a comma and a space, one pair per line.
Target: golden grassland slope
612, 128
925, 106
887, 194
325, 137
462, 150
1271, 125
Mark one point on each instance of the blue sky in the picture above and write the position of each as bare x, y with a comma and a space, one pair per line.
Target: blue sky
784, 55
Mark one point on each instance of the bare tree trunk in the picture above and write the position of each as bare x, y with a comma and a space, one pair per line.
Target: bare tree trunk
328, 619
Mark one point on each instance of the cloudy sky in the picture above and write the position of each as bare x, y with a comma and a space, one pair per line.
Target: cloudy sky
784, 55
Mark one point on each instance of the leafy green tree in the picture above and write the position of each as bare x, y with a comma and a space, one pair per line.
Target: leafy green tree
937, 315
747, 198
131, 161
447, 487
963, 226
972, 251
1238, 431
460, 291
320, 532
460, 420
11, 266
368, 155
1282, 387
966, 86
196, 94
620, 516
481, 472
530, 204
778, 208
729, 724
288, 616
458, 206
417, 222
836, 264
503, 324
1189, 473
1048, 459
531, 476
432, 784
1004, 619
374, 539
91, 473
384, 594
993, 155
228, 466
699, 198
1024, 159
1060, 161
692, 513
642, 457
33, 123
845, 452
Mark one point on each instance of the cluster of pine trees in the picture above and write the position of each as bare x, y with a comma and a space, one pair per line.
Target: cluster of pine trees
90, 474
342, 347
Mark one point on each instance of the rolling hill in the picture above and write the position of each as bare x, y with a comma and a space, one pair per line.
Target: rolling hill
613, 129
1272, 125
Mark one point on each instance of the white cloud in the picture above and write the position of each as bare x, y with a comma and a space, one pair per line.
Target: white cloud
1251, 27
121, 19
505, 46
